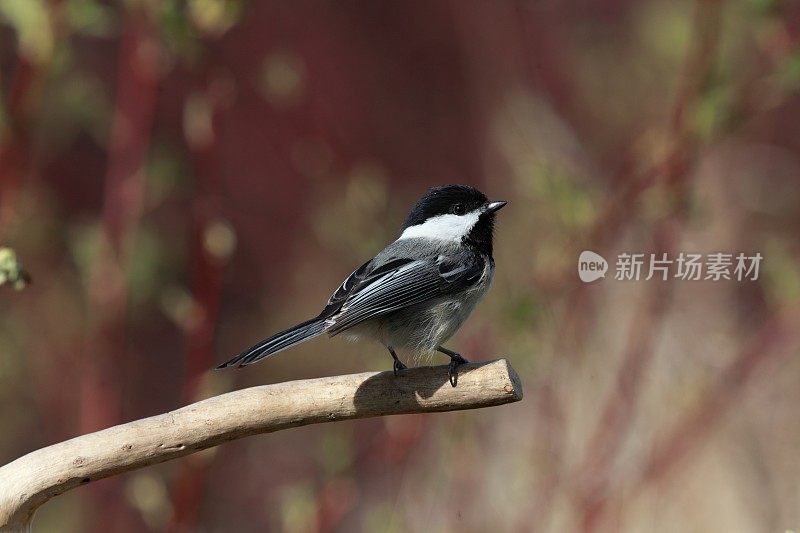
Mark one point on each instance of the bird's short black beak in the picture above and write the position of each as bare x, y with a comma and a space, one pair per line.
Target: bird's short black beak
493, 207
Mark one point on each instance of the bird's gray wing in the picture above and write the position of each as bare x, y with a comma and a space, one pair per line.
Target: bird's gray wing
362, 274
404, 282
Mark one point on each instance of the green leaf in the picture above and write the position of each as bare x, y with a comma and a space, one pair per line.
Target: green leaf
11, 271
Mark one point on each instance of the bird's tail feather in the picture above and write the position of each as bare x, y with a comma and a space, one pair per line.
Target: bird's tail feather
278, 342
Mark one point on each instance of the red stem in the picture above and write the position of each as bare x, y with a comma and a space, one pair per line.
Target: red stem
100, 399
189, 485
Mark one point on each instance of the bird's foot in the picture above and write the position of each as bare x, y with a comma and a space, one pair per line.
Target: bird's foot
452, 374
398, 366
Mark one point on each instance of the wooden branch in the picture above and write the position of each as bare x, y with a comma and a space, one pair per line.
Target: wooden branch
30, 481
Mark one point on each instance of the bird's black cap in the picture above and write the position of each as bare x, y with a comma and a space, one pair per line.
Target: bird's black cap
458, 200
447, 199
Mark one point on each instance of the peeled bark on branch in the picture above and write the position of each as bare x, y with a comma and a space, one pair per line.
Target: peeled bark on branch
31, 480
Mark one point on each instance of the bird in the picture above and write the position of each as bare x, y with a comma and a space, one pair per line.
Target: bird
418, 291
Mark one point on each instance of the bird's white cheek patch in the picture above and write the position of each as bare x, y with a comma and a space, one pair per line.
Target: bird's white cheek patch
445, 227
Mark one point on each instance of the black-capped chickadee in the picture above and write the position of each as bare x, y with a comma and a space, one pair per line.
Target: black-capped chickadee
417, 292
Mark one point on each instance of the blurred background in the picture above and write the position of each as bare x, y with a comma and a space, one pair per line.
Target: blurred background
182, 178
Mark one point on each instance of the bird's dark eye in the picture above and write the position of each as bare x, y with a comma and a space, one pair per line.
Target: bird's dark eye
459, 209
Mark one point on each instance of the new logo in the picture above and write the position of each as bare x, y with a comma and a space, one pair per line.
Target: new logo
591, 266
